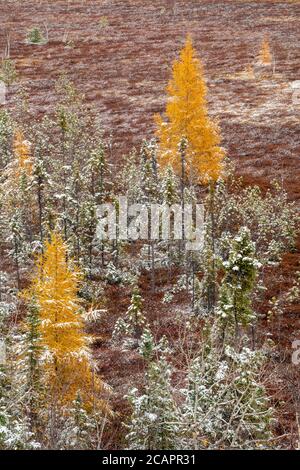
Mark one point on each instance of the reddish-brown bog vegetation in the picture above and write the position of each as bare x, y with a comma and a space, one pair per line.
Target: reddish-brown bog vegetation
119, 54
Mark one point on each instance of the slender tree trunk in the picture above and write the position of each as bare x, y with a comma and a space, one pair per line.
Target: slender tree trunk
40, 206
212, 287
64, 181
193, 287
169, 262
152, 267
182, 188
90, 260
236, 319
102, 254
17, 263
253, 337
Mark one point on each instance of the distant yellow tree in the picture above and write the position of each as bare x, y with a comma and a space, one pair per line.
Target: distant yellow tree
68, 368
187, 118
265, 55
22, 155
18, 171
16, 185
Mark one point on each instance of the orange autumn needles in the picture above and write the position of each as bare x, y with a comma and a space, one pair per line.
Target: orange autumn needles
22, 154
187, 118
67, 357
265, 56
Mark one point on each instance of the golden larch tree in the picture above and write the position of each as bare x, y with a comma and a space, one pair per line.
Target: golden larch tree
18, 172
68, 363
265, 55
22, 154
187, 118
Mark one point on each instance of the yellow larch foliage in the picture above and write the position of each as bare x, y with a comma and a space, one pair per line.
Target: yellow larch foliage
187, 117
68, 360
17, 174
265, 55
22, 154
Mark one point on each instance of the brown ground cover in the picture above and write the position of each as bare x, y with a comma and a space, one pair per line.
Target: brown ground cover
119, 54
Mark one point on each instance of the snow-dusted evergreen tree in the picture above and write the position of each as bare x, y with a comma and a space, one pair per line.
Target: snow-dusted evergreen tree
17, 390
15, 429
196, 295
81, 175
86, 236
32, 364
208, 284
170, 186
98, 173
74, 144
226, 405
139, 177
79, 429
170, 196
41, 181
7, 302
150, 193
234, 307
19, 245
154, 422
271, 218
129, 328
6, 135
129, 178
149, 181
112, 275
97, 181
